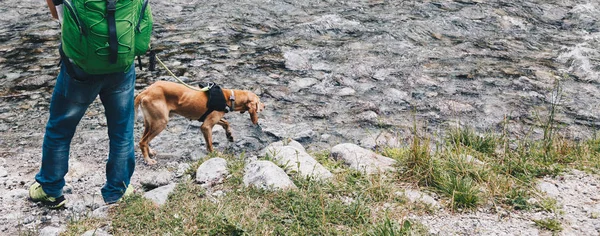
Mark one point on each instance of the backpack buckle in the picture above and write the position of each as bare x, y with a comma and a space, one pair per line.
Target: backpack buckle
111, 6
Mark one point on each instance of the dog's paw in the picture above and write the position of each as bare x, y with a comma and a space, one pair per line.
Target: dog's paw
151, 162
230, 138
152, 152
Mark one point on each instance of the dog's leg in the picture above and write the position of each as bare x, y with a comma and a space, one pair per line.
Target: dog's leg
225, 125
156, 118
206, 128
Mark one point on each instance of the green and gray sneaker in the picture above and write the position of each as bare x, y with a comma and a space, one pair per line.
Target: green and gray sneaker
37, 194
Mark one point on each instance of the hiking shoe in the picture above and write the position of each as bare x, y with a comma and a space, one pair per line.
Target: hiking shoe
128, 193
37, 194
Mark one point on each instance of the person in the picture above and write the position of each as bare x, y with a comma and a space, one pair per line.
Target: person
74, 91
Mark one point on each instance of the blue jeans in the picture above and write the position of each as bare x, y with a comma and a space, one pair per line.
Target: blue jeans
70, 100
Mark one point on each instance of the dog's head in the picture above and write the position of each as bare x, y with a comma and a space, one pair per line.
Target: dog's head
253, 106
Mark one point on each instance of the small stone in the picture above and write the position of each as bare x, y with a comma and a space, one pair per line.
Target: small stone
181, 169
67, 189
346, 92
218, 193
3, 172
101, 212
549, 188
96, 232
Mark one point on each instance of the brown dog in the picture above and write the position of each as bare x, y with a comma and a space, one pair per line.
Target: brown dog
163, 98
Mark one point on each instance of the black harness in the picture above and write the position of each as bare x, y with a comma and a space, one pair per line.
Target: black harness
217, 101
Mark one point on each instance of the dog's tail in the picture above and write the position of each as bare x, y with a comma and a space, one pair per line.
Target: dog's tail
136, 104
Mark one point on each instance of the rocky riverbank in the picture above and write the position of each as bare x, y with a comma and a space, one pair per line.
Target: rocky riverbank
330, 72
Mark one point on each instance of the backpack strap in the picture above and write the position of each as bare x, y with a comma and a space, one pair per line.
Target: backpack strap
113, 42
68, 64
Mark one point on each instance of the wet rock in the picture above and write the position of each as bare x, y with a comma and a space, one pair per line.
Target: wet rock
266, 175
212, 172
361, 159
160, 195
155, 180
51, 231
298, 59
299, 161
302, 83
34, 82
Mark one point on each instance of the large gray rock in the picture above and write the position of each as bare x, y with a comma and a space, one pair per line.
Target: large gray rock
266, 175
161, 194
298, 160
361, 159
212, 172
155, 180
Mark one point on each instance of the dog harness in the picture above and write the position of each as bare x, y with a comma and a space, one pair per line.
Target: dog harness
217, 101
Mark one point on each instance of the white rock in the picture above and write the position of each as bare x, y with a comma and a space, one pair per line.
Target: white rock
181, 169
471, 159
96, 232
301, 162
51, 231
274, 146
361, 159
161, 194
3, 172
101, 212
548, 188
16, 194
212, 172
154, 180
266, 175
368, 116
346, 92
418, 196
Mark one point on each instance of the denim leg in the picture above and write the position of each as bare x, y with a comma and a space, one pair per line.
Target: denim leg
70, 100
117, 98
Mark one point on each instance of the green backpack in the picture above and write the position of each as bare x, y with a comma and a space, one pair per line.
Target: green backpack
104, 36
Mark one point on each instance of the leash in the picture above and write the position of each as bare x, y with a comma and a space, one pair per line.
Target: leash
180, 81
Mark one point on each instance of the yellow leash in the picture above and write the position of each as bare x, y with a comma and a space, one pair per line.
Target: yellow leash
180, 81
